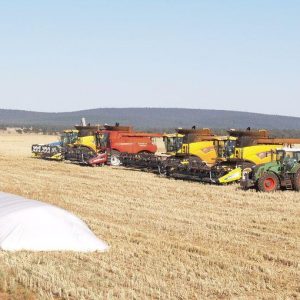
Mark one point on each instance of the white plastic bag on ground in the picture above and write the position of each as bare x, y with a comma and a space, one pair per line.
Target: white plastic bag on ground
33, 225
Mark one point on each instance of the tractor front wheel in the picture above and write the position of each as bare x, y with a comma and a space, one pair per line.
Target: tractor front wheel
268, 182
296, 182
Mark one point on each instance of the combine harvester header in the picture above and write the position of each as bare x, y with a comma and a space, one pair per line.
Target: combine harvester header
54, 151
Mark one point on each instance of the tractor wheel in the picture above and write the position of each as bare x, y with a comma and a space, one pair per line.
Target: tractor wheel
296, 182
115, 158
268, 182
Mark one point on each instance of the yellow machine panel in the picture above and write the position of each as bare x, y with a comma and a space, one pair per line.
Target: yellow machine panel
204, 150
258, 154
86, 141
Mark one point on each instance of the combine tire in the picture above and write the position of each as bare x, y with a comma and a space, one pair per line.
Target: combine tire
115, 158
296, 183
268, 182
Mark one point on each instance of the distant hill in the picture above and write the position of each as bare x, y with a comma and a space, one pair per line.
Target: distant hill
150, 118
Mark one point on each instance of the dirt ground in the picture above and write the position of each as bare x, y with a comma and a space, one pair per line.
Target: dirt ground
169, 239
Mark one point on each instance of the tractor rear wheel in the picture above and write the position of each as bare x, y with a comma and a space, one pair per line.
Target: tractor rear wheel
296, 182
268, 182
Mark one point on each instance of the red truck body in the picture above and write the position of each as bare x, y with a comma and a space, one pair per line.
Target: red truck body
114, 140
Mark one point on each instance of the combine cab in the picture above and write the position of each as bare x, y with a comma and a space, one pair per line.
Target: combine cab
172, 142
55, 151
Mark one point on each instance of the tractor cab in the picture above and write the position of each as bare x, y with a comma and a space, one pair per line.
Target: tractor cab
288, 157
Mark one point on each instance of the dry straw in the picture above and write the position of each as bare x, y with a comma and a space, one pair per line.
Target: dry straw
169, 239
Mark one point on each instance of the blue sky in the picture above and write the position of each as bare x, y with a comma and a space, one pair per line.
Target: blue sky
71, 55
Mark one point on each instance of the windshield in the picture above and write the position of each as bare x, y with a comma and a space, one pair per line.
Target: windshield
83, 132
173, 144
280, 155
68, 138
229, 147
288, 155
102, 140
225, 148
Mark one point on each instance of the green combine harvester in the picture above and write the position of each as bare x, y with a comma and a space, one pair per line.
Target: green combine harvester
282, 173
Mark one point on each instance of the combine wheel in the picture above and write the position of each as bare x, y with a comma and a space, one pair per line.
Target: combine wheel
162, 170
144, 152
296, 183
115, 158
195, 159
268, 182
167, 166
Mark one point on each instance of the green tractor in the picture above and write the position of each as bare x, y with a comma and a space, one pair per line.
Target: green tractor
282, 173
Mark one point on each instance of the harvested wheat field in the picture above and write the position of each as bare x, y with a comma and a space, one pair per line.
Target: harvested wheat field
169, 239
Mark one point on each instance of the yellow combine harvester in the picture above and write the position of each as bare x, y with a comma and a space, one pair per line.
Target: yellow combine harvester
197, 144
197, 152
55, 151
194, 148
84, 145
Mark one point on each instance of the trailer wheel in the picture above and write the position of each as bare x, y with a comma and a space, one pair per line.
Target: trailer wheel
268, 182
296, 182
115, 158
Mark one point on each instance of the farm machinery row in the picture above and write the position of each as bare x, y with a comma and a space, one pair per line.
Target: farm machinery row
205, 157
97, 145
192, 154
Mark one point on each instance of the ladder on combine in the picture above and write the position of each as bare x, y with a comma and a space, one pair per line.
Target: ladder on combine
108, 162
